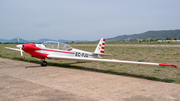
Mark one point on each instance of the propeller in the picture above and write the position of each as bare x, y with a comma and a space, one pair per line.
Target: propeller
20, 47
21, 52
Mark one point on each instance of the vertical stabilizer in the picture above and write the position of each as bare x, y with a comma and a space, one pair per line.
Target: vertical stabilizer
100, 46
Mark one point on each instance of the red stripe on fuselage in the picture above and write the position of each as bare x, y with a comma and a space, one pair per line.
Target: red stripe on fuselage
58, 51
91, 55
31, 49
37, 54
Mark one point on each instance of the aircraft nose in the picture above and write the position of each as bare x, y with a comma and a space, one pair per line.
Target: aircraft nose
19, 46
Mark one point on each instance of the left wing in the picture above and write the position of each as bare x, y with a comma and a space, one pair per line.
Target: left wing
107, 60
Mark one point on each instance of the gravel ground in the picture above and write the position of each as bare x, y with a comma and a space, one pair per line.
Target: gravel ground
28, 81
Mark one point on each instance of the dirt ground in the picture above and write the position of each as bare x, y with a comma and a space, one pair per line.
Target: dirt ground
20, 81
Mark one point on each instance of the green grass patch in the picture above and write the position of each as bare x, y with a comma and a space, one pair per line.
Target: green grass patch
157, 70
112, 70
80, 62
141, 60
102, 62
112, 65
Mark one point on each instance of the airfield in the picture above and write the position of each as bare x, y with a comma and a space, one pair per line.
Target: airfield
29, 81
25, 79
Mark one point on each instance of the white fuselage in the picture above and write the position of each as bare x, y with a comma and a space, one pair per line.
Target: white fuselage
73, 52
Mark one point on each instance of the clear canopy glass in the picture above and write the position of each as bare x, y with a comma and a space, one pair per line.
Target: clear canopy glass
57, 45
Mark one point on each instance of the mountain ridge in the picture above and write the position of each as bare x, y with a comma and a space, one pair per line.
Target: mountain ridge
15, 40
160, 34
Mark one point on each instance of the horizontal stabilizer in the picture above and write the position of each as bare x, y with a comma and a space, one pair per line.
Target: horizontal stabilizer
102, 54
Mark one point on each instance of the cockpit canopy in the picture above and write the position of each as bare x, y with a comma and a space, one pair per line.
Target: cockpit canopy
57, 45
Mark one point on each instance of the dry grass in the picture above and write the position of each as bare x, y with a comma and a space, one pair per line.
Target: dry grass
120, 52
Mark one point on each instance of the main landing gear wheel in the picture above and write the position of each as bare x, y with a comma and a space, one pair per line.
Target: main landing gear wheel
43, 63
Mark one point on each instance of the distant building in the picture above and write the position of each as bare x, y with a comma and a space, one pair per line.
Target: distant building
127, 40
168, 41
148, 39
139, 39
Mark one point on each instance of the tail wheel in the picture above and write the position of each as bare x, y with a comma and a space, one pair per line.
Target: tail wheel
43, 63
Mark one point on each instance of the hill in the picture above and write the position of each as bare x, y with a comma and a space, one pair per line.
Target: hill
162, 34
14, 40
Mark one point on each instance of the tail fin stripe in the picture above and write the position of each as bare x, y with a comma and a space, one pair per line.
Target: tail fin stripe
102, 51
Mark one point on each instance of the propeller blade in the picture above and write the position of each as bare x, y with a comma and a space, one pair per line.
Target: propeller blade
21, 52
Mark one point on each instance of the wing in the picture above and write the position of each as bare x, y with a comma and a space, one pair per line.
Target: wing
13, 49
106, 60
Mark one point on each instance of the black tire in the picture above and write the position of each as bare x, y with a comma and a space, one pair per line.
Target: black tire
43, 63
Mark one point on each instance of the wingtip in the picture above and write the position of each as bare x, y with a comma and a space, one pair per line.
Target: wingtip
174, 66
168, 65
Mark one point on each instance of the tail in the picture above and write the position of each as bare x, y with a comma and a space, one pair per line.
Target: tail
100, 47
99, 52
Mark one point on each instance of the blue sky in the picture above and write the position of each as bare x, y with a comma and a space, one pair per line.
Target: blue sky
85, 19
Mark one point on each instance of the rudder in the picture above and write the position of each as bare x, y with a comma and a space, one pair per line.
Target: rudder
100, 46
